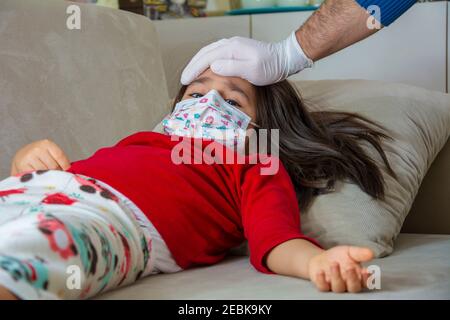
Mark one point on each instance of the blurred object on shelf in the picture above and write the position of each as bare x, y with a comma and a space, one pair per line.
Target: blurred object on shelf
154, 9
135, 6
316, 3
109, 3
174, 9
217, 7
197, 7
105, 3
177, 8
259, 4
235, 4
293, 3
273, 9
250, 4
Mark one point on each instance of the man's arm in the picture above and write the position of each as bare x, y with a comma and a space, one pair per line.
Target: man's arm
334, 26
338, 24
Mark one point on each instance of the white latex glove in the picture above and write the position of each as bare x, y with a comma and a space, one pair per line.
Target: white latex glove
258, 62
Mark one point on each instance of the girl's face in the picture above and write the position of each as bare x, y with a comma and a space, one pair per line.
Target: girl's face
236, 91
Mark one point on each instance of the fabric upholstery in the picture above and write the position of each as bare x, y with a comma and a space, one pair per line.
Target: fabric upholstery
235, 278
83, 89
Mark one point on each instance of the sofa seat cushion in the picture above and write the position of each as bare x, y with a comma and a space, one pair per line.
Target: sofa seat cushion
419, 268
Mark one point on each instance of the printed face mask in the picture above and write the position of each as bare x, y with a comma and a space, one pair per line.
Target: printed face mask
208, 117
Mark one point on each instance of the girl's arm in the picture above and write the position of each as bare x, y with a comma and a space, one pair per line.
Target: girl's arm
39, 155
271, 221
337, 269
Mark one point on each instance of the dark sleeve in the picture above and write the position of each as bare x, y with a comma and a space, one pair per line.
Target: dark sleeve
390, 9
270, 213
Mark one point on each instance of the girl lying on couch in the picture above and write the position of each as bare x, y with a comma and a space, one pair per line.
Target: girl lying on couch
74, 230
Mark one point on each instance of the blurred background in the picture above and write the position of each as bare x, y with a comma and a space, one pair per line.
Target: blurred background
176, 9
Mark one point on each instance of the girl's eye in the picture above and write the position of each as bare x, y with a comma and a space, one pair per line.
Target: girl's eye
196, 95
233, 103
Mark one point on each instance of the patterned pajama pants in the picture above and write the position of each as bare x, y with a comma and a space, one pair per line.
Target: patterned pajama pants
67, 236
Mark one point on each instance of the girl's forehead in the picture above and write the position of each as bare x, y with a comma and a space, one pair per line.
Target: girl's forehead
214, 81
218, 78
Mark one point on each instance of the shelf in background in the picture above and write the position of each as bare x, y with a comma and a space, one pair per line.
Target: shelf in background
270, 10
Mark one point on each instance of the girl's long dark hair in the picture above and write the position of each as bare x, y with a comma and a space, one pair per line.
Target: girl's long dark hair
317, 148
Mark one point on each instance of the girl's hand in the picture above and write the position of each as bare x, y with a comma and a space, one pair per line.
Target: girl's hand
39, 155
339, 269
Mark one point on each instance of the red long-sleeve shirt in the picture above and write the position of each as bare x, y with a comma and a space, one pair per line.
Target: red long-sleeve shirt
200, 210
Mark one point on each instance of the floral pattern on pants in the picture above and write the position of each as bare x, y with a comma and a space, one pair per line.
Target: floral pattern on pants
56, 226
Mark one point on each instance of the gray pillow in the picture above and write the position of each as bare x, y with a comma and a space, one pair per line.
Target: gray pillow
419, 122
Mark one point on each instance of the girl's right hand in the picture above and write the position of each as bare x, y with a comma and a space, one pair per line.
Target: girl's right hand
39, 155
339, 269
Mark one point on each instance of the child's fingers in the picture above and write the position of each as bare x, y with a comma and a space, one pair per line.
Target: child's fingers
24, 168
337, 283
364, 277
37, 164
59, 156
356, 266
353, 282
48, 160
14, 170
321, 283
360, 254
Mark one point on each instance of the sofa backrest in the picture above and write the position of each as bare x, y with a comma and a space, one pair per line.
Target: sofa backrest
430, 212
83, 89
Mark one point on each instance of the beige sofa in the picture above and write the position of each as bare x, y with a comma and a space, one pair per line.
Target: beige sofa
88, 88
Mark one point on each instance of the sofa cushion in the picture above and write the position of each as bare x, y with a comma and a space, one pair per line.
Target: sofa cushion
235, 278
83, 89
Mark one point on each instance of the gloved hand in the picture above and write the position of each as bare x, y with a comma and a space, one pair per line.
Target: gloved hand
258, 62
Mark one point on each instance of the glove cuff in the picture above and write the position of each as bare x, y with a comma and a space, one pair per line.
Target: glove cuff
296, 59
